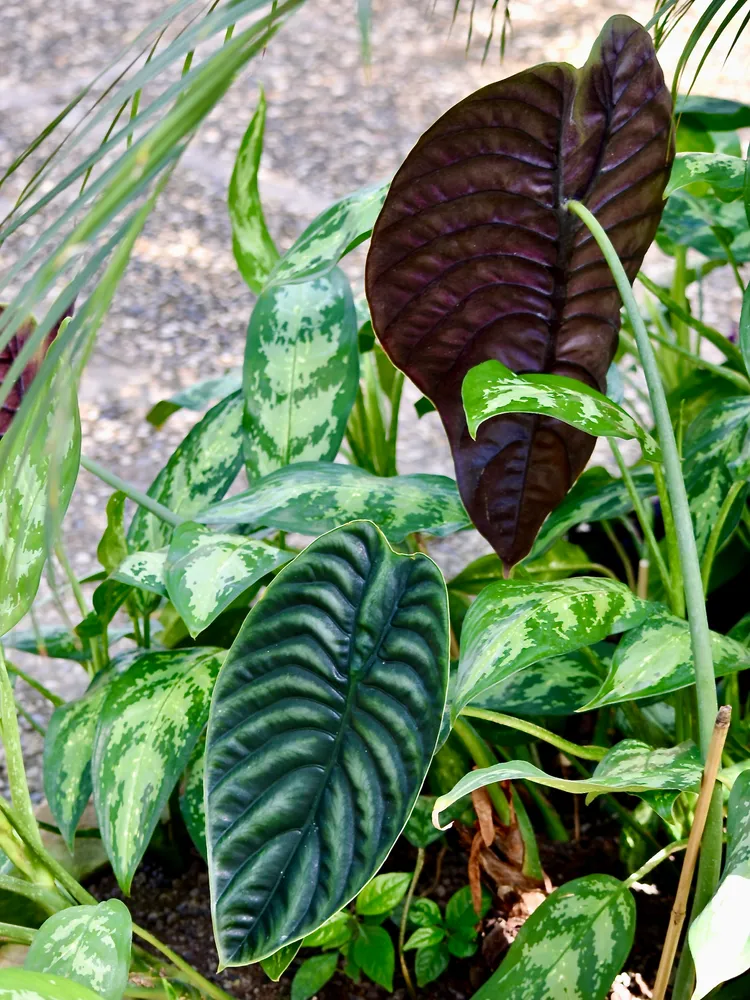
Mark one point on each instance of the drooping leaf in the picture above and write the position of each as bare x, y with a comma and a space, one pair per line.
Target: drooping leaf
656, 658
313, 974
56, 641
474, 257
146, 570
276, 965
206, 571
254, 249
555, 686
313, 497
192, 806
630, 766
89, 945
383, 893
331, 236
301, 373
148, 725
196, 397
597, 496
491, 389
113, 545
726, 174
711, 114
576, 941
199, 472
20, 984
720, 936
323, 724
514, 624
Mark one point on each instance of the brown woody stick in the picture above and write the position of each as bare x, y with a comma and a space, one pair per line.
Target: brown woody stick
679, 909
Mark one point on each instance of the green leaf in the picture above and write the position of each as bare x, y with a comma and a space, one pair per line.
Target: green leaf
301, 373
327, 239
559, 561
145, 570
726, 174
56, 641
712, 114
323, 724
656, 658
313, 974
199, 472
419, 831
424, 912
314, 497
87, 944
113, 546
713, 450
514, 624
744, 330
431, 963
720, 935
460, 914
424, 937
630, 766
463, 945
383, 893
254, 249
490, 389
196, 397
575, 942
597, 496
191, 799
150, 721
334, 933
39, 458
375, 955
276, 965
206, 571
694, 222
19, 984
556, 686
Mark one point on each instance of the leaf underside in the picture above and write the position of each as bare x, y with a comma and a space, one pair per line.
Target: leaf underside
475, 257
322, 727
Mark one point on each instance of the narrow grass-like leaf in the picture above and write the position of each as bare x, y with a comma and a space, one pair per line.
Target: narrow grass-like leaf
206, 571
149, 723
720, 936
630, 766
87, 944
491, 389
199, 472
196, 397
656, 658
323, 724
313, 497
19, 984
254, 249
513, 624
301, 373
726, 174
575, 943
331, 236
145, 570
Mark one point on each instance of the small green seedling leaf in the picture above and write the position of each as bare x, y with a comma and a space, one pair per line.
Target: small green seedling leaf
383, 893
460, 914
313, 974
490, 389
334, 933
424, 937
431, 963
375, 955
87, 944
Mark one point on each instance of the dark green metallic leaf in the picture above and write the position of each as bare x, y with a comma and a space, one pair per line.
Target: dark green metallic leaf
314, 497
323, 724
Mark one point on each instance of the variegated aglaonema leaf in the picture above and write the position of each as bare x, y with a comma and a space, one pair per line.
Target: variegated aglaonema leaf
192, 806
725, 173
573, 945
322, 727
20, 984
148, 725
145, 570
556, 686
313, 497
331, 236
513, 624
475, 258
630, 766
254, 249
196, 397
206, 571
491, 389
87, 944
720, 936
199, 472
301, 373
656, 658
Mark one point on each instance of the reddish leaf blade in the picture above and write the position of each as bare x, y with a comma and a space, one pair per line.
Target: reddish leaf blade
474, 257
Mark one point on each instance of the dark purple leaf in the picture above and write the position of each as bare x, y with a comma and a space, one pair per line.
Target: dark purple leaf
474, 256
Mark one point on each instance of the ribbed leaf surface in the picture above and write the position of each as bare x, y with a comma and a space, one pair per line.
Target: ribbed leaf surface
322, 726
475, 257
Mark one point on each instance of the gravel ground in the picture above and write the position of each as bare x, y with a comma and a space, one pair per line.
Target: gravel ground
182, 309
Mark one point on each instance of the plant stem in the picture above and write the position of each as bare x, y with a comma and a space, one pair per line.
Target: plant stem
20, 935
532, 864
48, 899
679, 909
677, 593
404, 918
43, 691
662, 855
621, 553
585, 752
741, 381
130, 491
29, 718
395, 399
62, 557
483, 757
203, 984
713, 541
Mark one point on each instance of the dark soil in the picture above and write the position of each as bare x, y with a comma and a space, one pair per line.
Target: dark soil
175, 907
